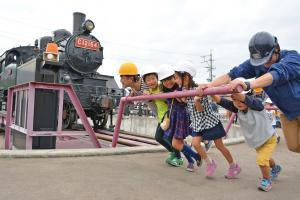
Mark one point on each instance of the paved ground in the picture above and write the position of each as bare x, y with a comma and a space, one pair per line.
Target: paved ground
142, 176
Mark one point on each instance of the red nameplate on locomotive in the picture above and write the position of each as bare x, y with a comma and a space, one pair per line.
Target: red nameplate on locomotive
87, 44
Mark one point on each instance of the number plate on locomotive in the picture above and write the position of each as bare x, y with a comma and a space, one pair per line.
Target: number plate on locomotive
87, 44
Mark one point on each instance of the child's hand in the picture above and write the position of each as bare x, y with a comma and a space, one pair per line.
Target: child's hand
216, 98
203, 86
132, 94
179, 100
238, 97
197, 98
146, 92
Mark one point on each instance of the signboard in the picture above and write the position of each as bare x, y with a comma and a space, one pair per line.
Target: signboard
87, 44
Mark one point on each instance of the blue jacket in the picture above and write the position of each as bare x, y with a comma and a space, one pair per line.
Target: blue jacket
285, 89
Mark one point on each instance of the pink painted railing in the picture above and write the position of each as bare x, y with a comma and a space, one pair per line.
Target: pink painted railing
28, 131
188, 93
230, 122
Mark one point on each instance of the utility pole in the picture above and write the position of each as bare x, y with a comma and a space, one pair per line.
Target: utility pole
209, 60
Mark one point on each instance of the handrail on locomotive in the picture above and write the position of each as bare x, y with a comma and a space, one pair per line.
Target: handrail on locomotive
23, 122
68, 58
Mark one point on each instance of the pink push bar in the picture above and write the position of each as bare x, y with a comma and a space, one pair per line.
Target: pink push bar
230, 122
188, 93
27, 128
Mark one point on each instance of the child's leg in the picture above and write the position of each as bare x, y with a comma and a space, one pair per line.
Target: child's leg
210, 164
265, 170
264, 156
234, 169
169, 140
175, 160
179, 145
207, 144
275, 169
226, 153
186, 150
159, 137
271, 162
196, 142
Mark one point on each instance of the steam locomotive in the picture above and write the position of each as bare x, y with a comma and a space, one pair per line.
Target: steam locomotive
74, 61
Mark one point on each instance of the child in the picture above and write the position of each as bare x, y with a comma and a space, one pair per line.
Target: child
129, 77
205, 123
179, 120
258, 134
151, 80
272, 116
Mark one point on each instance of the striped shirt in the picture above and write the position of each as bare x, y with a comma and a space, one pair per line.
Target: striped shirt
202, 120
143, 87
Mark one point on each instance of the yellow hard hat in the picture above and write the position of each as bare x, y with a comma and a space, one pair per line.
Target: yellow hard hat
258, 90
128, 68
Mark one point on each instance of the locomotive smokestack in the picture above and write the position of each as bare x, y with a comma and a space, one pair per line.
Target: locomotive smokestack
78, 19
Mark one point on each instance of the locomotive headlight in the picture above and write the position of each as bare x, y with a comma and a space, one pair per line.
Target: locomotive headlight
67, 78
50, 56
88, 26
51, 52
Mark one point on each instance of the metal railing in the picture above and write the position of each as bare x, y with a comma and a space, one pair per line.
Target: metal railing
188, 93
24, 113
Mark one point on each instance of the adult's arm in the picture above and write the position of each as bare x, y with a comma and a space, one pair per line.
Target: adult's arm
245, 70
263, 81
223, 79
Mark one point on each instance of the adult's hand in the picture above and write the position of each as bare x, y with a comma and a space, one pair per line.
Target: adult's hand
235, 83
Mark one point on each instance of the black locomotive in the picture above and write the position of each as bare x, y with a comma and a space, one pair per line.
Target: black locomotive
76, 60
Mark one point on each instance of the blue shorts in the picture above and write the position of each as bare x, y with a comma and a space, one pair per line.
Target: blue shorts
213, 133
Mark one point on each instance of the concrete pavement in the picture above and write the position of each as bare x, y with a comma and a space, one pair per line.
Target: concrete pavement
143, 176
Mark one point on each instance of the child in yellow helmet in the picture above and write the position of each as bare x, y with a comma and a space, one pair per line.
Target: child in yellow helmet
130, 77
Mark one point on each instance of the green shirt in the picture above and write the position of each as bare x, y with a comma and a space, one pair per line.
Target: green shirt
161, 104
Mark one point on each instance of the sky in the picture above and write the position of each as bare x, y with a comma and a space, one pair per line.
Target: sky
154, 32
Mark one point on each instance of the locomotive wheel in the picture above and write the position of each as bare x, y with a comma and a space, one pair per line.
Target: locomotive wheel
68, 115
99, 122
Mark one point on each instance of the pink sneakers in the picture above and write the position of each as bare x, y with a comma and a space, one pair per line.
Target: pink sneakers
233, 172
210, 168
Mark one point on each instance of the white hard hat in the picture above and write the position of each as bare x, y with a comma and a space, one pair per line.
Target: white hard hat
186, 66
268, 100
148, 70
166, 71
